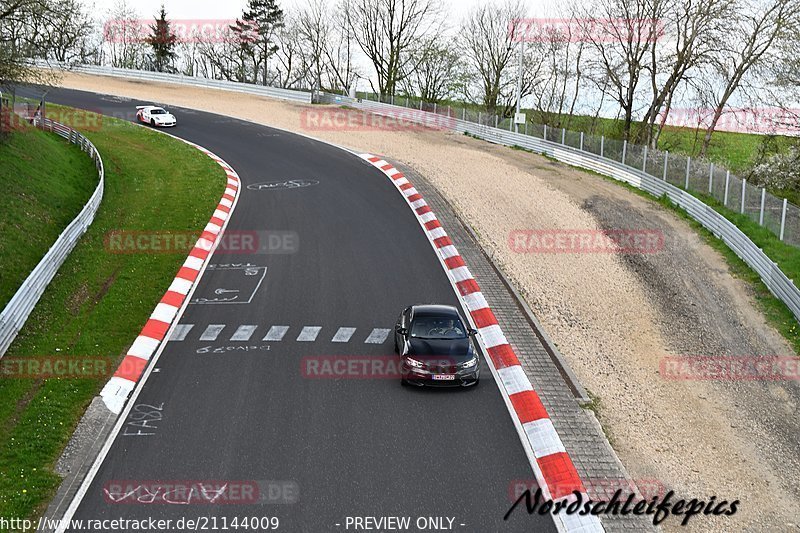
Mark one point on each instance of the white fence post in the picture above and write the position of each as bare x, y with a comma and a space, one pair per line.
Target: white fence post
644, 160
761, 214
581, 142
727, 182
434, 108
783, 218
563, 135
464, 114
526, 127
602, 144
710, 177
496, 120
688, 167
624, 150
545, 132
744, 190
666, 158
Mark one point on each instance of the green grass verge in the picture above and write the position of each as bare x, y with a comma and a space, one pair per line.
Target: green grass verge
99, 301
46, 181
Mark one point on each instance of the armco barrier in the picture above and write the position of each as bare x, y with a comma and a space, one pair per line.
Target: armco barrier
270, 92
781, 286
15, 314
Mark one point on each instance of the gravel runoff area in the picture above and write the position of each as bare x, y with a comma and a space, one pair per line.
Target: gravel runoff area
615, 317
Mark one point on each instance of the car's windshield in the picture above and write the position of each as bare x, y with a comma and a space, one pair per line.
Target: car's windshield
157, 112
437, 327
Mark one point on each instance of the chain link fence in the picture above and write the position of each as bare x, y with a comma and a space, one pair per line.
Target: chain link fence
691, 174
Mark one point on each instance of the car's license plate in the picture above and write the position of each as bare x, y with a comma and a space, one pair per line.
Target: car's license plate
444, 377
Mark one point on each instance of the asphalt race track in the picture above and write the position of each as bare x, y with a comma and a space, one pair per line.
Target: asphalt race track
226, 405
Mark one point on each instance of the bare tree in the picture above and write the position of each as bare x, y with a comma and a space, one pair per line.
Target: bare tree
754, 28
489, 46
123, 36
439, 71
692, 30
388, 30
622, 33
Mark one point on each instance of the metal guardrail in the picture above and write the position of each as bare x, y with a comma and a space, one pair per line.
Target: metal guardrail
261, 90
778, 283
18, 309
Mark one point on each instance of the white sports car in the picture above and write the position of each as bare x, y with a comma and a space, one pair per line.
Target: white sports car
155, 116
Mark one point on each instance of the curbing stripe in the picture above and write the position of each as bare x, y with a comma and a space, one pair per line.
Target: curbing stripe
554, 470
116, 391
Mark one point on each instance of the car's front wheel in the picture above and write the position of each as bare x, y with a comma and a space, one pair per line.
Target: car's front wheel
153, 122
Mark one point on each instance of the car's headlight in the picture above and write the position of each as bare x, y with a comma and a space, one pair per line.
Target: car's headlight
469, 364
415, 363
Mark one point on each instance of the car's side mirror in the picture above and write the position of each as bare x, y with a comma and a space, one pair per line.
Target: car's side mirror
402, 331
472, 332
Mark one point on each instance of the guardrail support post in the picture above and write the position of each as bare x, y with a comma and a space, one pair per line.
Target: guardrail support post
644, 160
624, 150
420, 104
744, 190
581, 148
480, 118
666, 158
406, 101
563, 135
434, 107
727, 182
688, 167
783, 218
761, 214
464, 114
710, 177
392, 99
602, 144
545, 132
496, 120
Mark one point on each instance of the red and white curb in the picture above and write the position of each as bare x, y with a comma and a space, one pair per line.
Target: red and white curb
119, 387
551, 464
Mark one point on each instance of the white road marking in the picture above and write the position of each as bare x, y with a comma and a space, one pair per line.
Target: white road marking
276, 333
343, 335
378, 336
212, 332
180, 332
243, 333
309, 334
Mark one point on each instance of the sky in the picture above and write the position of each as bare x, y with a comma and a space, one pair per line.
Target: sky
229, 9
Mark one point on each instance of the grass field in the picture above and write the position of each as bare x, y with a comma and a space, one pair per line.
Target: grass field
99, 300
735, 151
46, 181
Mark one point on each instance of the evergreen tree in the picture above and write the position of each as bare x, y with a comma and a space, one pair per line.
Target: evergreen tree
163, 41
255, 32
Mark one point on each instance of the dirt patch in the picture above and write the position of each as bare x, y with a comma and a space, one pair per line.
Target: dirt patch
614, 317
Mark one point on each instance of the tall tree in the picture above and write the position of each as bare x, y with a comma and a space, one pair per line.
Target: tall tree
388, 30
256, 33
490, 45
622, 33
163, 42
756, 26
